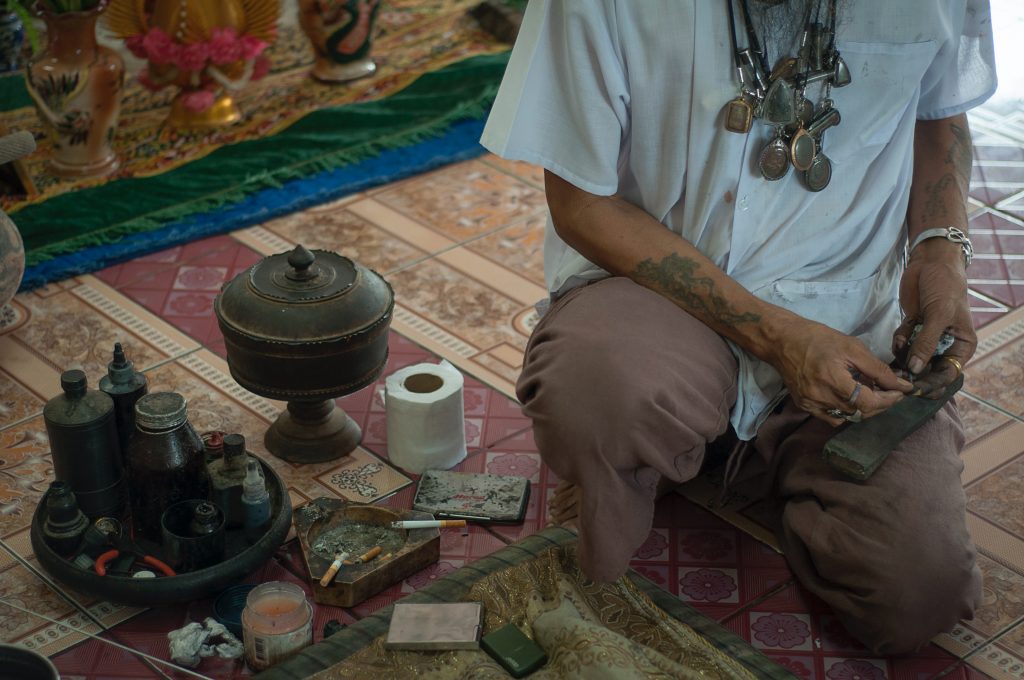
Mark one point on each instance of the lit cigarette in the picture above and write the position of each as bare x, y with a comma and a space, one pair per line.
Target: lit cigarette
367, 556
333, 569
428, 524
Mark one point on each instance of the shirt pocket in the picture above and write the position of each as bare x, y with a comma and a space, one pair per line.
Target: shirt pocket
849, 306
886, 82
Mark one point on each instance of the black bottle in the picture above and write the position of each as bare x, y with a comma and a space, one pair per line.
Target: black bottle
124, 385
164, 461
65, 524
85, 448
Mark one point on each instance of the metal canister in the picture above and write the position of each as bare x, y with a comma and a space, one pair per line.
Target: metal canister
124, 385
84, 444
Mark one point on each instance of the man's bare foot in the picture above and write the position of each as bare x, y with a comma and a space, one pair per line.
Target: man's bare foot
564, 506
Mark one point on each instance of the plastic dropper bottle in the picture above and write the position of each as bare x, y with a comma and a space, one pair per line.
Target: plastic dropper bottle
256, 502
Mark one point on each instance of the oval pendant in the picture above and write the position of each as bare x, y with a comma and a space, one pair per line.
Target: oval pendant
802, 149
819, 174
774, 160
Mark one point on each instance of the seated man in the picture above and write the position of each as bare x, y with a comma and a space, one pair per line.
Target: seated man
708, 279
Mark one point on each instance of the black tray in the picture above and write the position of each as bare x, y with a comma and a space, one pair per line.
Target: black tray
184, 587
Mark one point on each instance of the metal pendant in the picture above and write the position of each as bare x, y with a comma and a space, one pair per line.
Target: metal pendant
779, 105
802, 149
738, 115
784, 69
826, 118
774, 159
819, 174
841, 76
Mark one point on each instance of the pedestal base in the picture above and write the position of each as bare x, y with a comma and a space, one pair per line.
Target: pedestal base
103, 166
331, 72
312, 432
224, 111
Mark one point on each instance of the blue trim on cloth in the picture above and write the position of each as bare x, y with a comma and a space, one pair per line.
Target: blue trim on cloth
459, 142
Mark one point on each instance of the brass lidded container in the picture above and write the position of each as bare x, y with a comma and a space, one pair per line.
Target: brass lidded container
307, 327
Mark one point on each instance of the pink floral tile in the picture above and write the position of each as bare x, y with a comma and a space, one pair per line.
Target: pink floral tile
208, 250
183, 292
780, 630
526, 465
708, 584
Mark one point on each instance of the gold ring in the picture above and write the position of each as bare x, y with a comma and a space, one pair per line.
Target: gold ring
956, 364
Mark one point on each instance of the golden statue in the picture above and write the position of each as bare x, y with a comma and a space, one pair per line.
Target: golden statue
208, 48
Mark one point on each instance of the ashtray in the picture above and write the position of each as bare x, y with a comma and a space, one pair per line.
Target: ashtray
326, 525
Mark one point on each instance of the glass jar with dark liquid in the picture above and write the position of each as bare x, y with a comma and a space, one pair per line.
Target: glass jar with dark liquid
165, 461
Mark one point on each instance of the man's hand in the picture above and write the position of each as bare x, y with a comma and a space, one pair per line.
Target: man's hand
933, 292
822, 369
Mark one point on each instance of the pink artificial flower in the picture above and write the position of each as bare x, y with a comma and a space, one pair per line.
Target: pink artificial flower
198, 101
252, 47
260, 68
193, 57
135, 45
147, 81
225, 47
160, 49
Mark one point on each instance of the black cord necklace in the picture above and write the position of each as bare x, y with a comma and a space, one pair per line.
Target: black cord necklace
778, 97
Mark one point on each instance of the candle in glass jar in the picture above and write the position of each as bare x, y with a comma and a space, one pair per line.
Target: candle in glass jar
277, 623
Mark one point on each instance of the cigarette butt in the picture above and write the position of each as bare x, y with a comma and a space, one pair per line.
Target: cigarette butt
333, 569
367, 556
384, 557
428, 524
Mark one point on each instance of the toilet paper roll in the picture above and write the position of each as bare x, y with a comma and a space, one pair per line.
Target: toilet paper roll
426, 428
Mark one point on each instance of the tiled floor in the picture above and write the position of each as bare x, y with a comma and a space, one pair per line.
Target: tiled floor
462, 248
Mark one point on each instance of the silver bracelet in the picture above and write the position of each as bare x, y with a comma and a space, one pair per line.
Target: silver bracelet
951, 234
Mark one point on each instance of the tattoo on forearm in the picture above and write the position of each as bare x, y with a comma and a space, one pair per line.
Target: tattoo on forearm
676, 277
960, 154
936, 194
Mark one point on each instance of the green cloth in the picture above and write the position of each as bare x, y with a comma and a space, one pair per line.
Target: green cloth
323, 140
13, 94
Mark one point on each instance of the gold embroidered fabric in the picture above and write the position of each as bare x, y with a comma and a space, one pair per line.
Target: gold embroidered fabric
590, 631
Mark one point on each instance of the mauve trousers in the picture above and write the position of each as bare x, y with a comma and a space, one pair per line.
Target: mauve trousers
625, 390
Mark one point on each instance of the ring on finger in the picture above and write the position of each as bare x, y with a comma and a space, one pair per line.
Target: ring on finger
956, 364
854, 417
853, 396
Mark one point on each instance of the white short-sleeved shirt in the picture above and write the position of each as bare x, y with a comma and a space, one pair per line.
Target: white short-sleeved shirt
626, 98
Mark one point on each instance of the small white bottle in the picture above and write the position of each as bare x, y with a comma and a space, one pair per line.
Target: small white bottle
256, 502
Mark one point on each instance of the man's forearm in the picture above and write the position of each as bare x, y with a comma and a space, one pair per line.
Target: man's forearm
942, 176
626, 241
